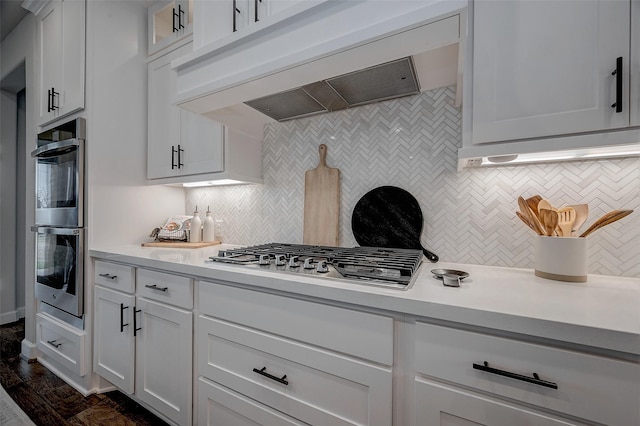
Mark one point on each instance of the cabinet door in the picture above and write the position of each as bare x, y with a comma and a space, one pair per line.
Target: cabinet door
114, 346
164, 359
545, 68
164, 118
169, 21
73, 56
438, 404
203, 142
50, 59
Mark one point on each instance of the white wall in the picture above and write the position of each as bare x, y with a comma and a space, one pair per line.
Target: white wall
17, 50
122, 209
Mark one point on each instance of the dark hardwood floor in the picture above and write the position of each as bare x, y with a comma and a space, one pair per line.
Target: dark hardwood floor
48, 400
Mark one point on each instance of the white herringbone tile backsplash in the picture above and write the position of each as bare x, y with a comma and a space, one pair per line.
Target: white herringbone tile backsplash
412, 143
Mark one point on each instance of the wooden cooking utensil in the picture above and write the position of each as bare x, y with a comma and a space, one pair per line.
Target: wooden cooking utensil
321, 203
566, 219
532, 202
545, 204
526, 221
527, 213
606, 219
549, 219
582, 212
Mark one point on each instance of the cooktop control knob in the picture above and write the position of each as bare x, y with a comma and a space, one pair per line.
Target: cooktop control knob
293, 262
280, 260
308, 263
264, 259
322, 267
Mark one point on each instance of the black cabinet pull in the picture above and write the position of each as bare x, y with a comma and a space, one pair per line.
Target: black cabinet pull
535, 379
54, 343
180, 15
235, 12
175, 15
111, 277
122, 324
53, 99
255, 4
619, 74
173, 155
155, 287
264, 373
48, 100
135, 322
180, 163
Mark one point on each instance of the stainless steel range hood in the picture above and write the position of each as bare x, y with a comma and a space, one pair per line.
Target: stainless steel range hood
374, 84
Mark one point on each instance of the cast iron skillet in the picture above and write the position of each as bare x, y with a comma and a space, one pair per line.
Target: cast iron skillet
391, 217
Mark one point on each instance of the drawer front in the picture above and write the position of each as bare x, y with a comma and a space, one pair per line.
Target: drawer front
166, 288
585, 383
62, 343
218, 405
314, 386
439, 404
115, 276
360, 334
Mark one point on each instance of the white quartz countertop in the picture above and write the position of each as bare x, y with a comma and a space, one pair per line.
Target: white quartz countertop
603, 313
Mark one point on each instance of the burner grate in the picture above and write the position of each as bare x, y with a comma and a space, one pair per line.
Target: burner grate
381, 265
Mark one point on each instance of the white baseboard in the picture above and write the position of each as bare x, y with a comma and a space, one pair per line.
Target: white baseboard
66, 377
20, 312
29, 350
9, 317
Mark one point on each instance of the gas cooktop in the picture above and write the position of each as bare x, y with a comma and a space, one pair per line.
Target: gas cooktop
388, 267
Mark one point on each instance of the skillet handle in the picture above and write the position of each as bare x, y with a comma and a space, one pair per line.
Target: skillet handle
431, 256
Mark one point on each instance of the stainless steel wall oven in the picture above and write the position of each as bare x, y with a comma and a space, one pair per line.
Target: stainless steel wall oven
59, 217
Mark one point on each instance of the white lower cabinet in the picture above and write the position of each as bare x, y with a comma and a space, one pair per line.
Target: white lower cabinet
144, 346
163, 359
519, 374
60, 342
248, 370
439, 404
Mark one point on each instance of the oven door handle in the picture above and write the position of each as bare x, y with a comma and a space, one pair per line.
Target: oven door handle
56, 231
53, 147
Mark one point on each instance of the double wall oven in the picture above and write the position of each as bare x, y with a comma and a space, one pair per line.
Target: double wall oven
59, 219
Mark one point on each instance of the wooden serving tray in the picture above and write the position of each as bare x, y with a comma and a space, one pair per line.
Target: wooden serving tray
179, 244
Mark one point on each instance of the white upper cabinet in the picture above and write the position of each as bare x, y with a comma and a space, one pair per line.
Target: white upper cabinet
169, 21
184, 146
217, 19
545, 68
542, 77
180, 142
60, 59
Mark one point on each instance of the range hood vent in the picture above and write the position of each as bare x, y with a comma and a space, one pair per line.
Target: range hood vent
378, 83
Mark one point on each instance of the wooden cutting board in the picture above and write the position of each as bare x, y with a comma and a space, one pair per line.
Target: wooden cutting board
321, 203
179, 244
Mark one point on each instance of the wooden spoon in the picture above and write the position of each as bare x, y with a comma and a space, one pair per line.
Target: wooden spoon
545, 204
526, 212
532, 202
566, 219
606, 219
582, 212
549, 219
526, 221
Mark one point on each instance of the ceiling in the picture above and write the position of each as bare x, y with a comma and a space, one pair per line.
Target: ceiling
11, 13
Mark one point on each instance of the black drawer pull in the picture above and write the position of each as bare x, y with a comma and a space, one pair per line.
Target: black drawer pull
135, 322
535, 379
618, 73
54, 343
263, 372
155, 287
111, 277
122, 324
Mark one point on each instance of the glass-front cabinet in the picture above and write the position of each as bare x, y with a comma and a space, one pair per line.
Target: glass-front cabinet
169, 21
